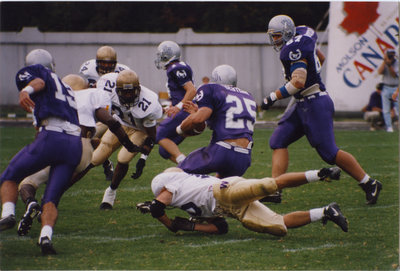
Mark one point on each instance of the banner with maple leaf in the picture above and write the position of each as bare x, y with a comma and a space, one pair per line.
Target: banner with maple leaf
359, 33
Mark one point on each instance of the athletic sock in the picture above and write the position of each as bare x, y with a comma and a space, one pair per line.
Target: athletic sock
180, 158
312, 176
316, 214
365, 179
46, 231
8, 208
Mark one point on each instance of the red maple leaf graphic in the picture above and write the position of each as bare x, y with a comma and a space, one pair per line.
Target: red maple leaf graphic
359, 16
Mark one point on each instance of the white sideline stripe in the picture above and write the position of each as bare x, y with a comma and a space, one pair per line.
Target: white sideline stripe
372, 207
107, 239
315, 248
101, 191
97, 239
215, 243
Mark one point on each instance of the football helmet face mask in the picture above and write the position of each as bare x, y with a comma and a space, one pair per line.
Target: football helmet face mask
40, 56
106, 60
281, 29
225, 75
167, 52
128, 88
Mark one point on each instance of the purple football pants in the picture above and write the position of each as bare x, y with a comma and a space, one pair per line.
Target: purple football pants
215, 158
167, 129
60, 151
312, 117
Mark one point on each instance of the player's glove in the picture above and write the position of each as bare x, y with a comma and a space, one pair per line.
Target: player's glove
268, 101
139, 168
144, 207
181, 223
328, 174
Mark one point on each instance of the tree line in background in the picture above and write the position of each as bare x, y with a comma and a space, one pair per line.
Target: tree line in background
156, 17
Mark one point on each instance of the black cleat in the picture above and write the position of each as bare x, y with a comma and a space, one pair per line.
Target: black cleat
105, 206
32, 210
275, 198
372, 188
332, 212
46, 246
328, 174
7, 222
108, 170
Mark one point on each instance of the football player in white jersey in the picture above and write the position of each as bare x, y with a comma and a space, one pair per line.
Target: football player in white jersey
210, 199
105, 62
137, 109
107, 83
92, 70
92, 105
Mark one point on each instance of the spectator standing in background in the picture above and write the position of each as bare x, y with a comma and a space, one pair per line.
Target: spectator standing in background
389, 69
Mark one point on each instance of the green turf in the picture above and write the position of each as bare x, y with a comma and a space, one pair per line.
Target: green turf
88, 238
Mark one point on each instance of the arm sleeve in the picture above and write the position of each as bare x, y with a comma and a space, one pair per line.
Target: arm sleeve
204, 96
24, 76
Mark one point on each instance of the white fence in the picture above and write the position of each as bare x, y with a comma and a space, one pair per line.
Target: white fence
257, 64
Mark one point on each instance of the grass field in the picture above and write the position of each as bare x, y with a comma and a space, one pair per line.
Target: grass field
88, 238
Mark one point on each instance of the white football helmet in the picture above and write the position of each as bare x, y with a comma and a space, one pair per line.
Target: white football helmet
167, 52
225, 75
128, 88
283, 26
106, 60
40, 56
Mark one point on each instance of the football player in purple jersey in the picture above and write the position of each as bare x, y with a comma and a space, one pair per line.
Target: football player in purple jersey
180, 89
230, 113
56, 117
312, 115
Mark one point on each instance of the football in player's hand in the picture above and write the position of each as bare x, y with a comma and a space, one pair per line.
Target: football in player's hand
199, 128
196, 129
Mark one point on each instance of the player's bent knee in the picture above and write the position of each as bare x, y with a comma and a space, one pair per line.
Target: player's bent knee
28, 181
276, 142
52, 200
328, 156
274, 229
124, 156
163, 153
260, 218
101, 154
